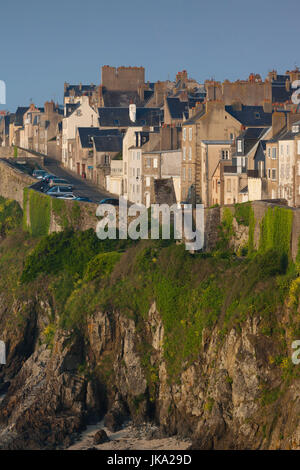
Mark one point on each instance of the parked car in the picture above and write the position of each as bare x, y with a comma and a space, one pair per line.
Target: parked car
72, 197
39, 174
83, 199
59, 182
110, 200
59, 191
48, 177
69, 196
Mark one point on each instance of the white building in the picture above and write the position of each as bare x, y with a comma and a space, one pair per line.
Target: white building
79, 115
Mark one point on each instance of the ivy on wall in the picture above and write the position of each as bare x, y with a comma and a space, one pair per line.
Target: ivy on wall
25, 203
40, 208
251, 232
275, 230
68, 216
39, 213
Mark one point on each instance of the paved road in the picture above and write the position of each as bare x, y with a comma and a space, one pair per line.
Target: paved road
82, 187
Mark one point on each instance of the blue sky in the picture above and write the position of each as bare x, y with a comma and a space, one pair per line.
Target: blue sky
44, 43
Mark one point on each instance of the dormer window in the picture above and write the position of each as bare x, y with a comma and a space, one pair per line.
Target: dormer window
295, 129
116, 122
239, 146
257, 115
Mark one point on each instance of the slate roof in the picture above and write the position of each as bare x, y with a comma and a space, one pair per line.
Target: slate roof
280, 94
70, 108
120, 99
85, 89
244, 190
109, 143
278, 136
193, 119
85, 134
251, 137
148, 94
251, 116
21, 110
119, 117
177, 108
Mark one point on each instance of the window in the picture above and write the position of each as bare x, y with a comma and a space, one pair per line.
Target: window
229, 185
148, 162
298, 165
239, 146
184, 134
183, 153
225, 155
190, 174
183, 174
231, 136
138, 172
257, 115
269, 173
155, 163
274, 153
138, 155
288, 149
274, 174
269, 152
190, 153
190, 133
281, 149
148, 181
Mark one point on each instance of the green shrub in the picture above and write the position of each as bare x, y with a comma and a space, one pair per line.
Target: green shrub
10, 216
242, 213
272, 263
67, 251
101, 265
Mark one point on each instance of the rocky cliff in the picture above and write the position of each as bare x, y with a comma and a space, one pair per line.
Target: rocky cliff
198, 344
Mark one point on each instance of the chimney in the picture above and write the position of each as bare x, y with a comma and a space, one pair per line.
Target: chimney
237, 106
267, 105
279, 121
132, 112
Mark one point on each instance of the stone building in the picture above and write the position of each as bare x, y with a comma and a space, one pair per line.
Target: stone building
105, 149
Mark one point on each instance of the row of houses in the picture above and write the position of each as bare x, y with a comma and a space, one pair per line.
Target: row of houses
208, 143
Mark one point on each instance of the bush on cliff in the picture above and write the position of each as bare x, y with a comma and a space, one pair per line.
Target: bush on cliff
10, 216
67, 251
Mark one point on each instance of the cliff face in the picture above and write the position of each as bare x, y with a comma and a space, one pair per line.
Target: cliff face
200, 344
232, 397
